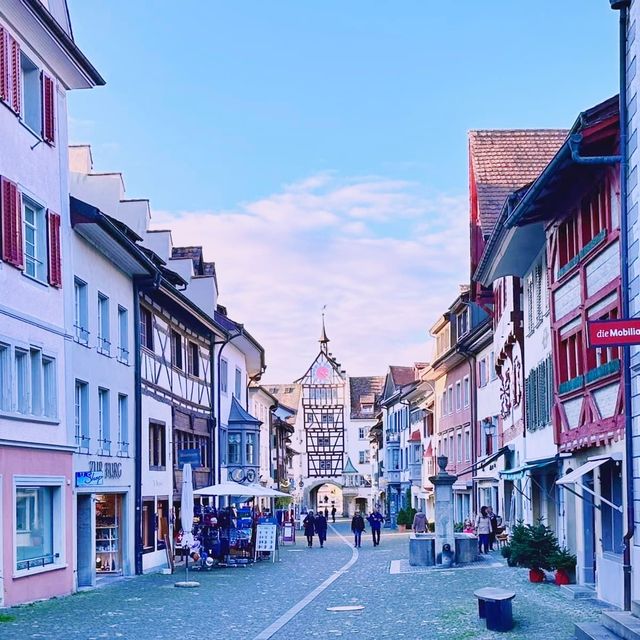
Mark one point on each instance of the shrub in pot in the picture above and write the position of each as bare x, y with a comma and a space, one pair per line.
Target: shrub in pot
534, 547
506, 552
401, 520
564, 562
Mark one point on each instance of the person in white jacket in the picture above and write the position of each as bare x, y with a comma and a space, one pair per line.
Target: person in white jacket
483, 530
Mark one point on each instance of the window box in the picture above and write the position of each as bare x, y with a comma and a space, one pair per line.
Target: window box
606, 369
571, 385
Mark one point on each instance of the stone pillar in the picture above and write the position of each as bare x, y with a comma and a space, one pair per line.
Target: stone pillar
443, 489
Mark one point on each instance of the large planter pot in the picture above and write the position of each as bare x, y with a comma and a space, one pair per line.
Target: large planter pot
562, 576
402, 527
536, 575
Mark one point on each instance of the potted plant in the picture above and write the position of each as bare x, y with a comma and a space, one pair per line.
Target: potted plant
534, 547
507, 553
402, 520
564, 562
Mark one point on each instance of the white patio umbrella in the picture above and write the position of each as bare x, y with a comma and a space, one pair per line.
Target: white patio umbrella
228, 488
186, 516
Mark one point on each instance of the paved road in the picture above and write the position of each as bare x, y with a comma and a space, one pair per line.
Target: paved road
243, 602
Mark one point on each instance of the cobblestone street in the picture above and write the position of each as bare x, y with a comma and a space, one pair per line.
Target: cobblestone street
244, 602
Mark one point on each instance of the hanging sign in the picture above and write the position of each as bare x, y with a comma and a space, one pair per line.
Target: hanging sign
613, 333
191, 456
266, 536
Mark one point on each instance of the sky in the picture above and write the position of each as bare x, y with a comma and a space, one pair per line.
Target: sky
317, 150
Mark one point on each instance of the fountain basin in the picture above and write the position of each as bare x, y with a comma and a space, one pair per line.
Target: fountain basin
422, 552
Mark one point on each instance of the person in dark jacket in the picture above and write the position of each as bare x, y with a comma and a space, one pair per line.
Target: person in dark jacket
321, 528
326, 514
333, 514
357, 526
309, 524
494, 527
375, 522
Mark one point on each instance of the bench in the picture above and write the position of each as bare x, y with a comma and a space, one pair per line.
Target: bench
494, 606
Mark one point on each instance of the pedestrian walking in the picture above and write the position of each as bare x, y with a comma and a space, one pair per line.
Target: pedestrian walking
483, 529
375, 522
419, 522
309, 524
321, 528
333, 514
494, 527
326, 514
357, 526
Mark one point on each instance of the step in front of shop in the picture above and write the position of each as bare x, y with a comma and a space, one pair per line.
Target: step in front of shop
593, 631
622, 623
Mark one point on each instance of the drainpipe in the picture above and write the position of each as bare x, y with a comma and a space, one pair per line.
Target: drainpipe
471, 359
140, 285
623, 7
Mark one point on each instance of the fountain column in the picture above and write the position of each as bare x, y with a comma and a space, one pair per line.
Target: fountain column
443, 489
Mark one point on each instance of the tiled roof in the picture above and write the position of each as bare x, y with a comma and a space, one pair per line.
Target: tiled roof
287, 394
365, 390
504, 160
402, 375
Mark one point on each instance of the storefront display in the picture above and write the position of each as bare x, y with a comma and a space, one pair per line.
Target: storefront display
108, 534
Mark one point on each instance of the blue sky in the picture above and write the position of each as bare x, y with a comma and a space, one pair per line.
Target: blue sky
221, 111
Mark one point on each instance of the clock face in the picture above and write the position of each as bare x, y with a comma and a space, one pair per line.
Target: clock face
322, 373
237, 475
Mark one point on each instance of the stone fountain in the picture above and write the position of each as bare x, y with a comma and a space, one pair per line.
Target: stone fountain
444, 547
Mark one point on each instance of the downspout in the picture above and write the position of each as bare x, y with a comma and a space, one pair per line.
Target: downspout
139, 286
471, 359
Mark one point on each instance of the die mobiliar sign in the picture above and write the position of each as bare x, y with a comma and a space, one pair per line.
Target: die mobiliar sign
614, 333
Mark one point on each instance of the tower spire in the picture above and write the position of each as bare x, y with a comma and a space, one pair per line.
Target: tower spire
323, 336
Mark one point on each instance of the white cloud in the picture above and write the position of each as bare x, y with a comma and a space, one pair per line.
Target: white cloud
385, 257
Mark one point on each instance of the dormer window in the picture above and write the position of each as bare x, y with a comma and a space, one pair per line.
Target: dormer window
367, 408
462, 323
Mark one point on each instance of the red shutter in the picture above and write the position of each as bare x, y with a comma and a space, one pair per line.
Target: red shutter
15, 75
48, 108
55, 256
4, 65
11, 219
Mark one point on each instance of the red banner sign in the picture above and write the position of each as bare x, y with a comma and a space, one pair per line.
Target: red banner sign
612, 333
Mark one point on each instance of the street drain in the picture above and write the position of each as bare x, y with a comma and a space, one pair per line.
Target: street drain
347, 607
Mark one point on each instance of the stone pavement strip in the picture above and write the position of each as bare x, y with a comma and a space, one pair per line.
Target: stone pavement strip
243, 602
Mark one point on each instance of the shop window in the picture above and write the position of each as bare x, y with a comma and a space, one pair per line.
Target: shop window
157, 446
176, 349
612, 522
146, 328
194, 360
235, 451
38, 523
571, 357
148, 525
163, 523
108, 533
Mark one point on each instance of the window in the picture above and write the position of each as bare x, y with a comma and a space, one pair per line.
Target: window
35, 240
193, 362
146, 328
324, 442
104, 344
224, 375
82, 414
362, 456
38, 528
104, 426
123, 335
459, 447
489, 435
176, 349
450, 399
361, 433
148, 525
530, 287
238, 385
367, 408
611, 490
22, 381
157, 446
462, 323
31, 94
395, 459
539, 396
482, 372
465, 391
467, 445
568, 244
492, 366
458, 396
235, 443
571, 357
5, 378
123, 423
81, 311
250, 448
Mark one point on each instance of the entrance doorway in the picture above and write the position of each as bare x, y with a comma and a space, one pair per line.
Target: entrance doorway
109, 534
327, 497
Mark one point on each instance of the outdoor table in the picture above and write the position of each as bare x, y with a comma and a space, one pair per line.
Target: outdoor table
494, 605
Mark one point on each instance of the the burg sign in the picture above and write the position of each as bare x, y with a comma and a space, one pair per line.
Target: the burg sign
612, 333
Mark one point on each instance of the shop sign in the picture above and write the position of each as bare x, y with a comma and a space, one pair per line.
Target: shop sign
111, 470
189, 456
613, 333
266, 536
89, 478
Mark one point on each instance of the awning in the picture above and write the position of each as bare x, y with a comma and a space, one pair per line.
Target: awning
481, 464
415, 436
574, 476
518, 472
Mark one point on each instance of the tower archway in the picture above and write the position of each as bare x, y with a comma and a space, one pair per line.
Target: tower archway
321, 493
